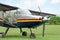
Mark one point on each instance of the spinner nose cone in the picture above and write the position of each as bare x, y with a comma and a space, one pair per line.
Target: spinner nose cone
46, 19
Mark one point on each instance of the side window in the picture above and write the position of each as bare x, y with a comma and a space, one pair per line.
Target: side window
16, 14
1, 14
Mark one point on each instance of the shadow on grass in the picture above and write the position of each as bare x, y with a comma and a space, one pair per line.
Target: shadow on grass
16, 36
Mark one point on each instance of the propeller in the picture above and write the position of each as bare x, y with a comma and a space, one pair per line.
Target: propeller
43, 30
39, 9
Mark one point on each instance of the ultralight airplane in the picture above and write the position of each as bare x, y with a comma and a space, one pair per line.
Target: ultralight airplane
21, 19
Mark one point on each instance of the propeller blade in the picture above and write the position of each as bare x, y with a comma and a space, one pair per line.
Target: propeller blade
43, 29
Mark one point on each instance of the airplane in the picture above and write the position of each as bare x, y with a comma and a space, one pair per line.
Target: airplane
20, 19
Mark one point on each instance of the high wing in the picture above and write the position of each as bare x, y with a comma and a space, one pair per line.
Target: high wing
41, 13
4, 7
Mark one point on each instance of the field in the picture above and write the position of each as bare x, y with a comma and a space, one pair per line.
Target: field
52, 32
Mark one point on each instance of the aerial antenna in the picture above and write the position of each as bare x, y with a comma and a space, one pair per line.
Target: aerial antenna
39, 9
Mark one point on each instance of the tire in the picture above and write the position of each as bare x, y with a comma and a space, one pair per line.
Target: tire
2, 35
32, 35
24, 33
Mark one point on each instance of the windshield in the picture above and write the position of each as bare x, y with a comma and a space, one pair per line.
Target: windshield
24, 12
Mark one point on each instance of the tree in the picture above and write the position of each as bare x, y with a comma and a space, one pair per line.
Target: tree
55, 20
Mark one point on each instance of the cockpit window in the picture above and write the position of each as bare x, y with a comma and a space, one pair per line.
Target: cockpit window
24, 12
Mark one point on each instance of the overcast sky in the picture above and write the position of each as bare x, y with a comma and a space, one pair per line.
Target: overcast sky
49, 6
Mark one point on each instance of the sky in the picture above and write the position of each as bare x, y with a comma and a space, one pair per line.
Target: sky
48, 6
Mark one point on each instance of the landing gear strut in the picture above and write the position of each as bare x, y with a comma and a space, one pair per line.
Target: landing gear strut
20, 29
4, 34
23, 32
32, 35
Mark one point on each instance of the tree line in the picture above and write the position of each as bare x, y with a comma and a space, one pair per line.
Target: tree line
54, 20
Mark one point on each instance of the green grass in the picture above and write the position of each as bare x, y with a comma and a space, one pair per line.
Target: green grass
52, 32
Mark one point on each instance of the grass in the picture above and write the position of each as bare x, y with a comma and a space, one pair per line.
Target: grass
52, 32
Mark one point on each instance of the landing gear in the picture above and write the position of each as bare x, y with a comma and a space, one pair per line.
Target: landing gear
6, 31
4, 34
32, 35
20, 29
24, 33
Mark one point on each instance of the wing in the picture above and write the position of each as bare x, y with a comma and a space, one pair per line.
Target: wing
42, 14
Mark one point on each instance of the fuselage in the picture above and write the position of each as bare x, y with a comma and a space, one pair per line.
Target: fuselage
26, 20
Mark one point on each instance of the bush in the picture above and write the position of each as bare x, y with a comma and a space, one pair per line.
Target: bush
54, 20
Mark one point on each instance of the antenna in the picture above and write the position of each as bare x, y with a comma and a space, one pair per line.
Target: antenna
39, 9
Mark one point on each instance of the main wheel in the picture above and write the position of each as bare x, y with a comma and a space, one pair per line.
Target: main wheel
24, 33
2, 34
32, 35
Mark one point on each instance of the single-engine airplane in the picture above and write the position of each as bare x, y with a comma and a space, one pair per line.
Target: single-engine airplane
21, 19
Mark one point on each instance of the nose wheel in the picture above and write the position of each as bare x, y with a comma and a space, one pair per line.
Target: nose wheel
32, 35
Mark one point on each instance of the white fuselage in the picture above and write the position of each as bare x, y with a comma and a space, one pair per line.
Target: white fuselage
23, 14
26, 14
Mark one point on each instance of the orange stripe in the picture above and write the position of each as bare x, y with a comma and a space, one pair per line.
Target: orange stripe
27, 20
1, 20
